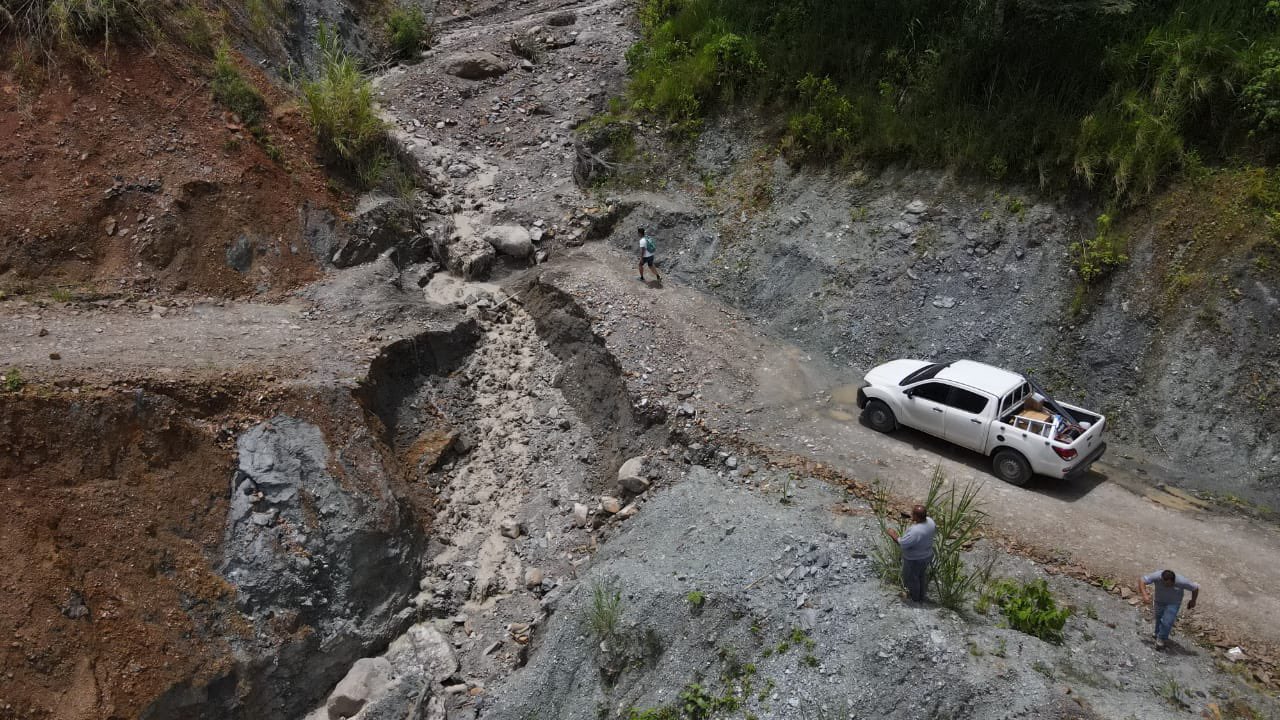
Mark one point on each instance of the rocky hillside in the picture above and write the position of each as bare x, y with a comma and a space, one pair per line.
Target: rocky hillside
288, 433
1175, 347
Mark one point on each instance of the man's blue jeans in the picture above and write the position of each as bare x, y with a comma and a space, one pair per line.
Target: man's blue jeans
1165, 615
915, 577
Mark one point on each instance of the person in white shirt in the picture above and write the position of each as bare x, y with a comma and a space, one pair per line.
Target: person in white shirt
647, 250
917, 551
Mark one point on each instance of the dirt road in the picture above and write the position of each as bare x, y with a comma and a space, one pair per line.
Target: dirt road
773, 394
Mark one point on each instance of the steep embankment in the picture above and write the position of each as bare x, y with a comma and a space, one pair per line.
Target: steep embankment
863, 268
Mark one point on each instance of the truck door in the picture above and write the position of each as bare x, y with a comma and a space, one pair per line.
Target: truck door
926, 408
967, 422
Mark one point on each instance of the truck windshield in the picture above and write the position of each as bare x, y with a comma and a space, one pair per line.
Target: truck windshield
924, 373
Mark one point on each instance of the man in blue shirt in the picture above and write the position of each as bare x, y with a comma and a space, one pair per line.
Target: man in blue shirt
917, 551
1169, 587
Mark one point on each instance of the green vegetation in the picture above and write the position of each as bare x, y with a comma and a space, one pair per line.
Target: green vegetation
1030, 608
1172, 692
232, 91
263, 14
605, 611
12, 380
959, 519
698, 701
45, 28
1113, 95
340, 104
406, 31
195, 29
1096, 257
696, 598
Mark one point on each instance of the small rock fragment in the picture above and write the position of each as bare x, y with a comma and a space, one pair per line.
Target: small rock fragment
532, 578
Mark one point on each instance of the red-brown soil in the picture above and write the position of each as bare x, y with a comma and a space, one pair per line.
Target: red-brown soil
114, 506
131, 176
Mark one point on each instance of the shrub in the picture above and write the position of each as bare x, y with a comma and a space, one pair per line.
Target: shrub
1098, 256
1030, 608
1262, 94
13, 381
696, 598
698, 704
827, 124
959, 519
406, 31
232, 91
340, 104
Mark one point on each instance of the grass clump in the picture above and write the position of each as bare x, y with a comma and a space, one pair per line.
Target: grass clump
696, 598
406, 31
1172, 692
50, 28
1030, 608
263, 14
605, 611
340, 104
12, 380
232, 91
960, 520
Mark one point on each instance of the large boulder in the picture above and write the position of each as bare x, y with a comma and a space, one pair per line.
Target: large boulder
511, 240
367, 681
469, 256
411, 674
633, 475
476, 65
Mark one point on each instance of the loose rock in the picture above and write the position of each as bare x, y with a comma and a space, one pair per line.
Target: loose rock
475, 65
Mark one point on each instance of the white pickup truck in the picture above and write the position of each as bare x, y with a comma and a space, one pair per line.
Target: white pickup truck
993, 411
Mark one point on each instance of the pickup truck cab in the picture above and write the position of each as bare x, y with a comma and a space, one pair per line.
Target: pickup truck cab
986, 409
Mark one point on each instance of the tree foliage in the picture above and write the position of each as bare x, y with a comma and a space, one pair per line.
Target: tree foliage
1109, 94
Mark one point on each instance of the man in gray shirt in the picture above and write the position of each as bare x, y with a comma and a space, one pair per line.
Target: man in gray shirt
917, 551
1169, 587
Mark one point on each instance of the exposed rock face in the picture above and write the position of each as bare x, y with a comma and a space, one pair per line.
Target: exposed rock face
323, 559
475, 65
381, 222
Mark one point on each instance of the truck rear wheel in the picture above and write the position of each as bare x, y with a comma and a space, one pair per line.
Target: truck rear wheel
1011, 467
880, 417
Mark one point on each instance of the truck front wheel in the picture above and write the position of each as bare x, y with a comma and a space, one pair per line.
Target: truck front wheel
880, 417
1011, 467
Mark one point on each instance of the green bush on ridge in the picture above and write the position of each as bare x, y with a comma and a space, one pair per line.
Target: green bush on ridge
1108, 95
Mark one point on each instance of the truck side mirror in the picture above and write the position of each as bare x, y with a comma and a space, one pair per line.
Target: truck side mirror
910, 393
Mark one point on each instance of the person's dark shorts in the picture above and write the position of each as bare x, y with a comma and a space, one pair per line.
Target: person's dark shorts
647, 260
